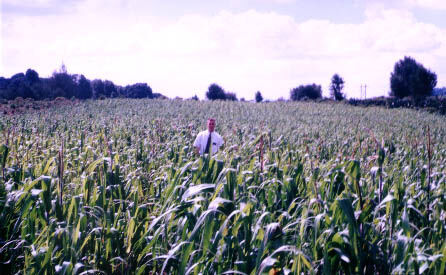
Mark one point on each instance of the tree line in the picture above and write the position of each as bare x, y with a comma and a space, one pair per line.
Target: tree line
409, 79
63, 84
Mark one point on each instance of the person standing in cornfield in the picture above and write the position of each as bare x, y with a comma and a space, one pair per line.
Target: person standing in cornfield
209, 140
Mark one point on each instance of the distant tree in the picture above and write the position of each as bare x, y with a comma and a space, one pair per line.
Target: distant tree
259, 97
26, 85
231, 96
18, 75
121, 91
97, 86
439, 91
410, 78
110, 89
312, 91
18, 87
45, 88
139, 90
3, 83
336, 86
39, 90
32, 76
215, 92
84, 90
63, 84
195, 97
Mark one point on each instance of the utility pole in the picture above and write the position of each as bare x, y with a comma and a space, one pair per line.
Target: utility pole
365, 91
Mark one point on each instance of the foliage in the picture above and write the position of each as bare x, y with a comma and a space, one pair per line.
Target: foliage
410, 78
439, 91
110, 90
114, 187
63, 84
336, 87
97, 86
433, 104
84, 90
32, 76
312, 91
138, 90
215, 92
230, 96
258, 97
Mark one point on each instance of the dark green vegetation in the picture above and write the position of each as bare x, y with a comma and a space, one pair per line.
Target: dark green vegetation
410, 78
113, 186
216, 92
336, 87
431, 104
63, 84
303, 92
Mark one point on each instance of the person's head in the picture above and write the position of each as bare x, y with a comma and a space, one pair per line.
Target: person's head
211, 124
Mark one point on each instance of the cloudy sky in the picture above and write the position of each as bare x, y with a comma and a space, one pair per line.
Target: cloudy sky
180, 47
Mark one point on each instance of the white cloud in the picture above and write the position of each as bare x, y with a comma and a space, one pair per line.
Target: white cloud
407, 4
430, 4
243, 52
28, 3
397, 31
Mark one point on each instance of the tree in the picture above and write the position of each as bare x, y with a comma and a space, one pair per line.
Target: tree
18, 87
215, 92
259, 97
312, 91
63, 84
110, 89
98, 88
230, 96
439, 91
138, 90
336, 86
84, 90
3, 83
32, 76
18, 75
410, 78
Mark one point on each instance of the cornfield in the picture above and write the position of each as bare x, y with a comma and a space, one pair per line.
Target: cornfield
114, 187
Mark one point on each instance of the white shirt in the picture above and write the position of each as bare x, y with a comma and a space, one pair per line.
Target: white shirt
202, 139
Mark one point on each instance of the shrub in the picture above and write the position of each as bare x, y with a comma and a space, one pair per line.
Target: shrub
231, 96
312, 91
215, 92
138, 90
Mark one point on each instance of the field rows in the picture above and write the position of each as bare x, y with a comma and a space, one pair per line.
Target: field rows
114, 187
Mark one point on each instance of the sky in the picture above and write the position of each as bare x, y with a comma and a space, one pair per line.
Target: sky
179, 47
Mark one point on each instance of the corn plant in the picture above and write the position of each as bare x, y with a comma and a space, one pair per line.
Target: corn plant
114, 187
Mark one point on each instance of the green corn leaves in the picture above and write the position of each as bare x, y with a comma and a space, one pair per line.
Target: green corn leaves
298, 188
